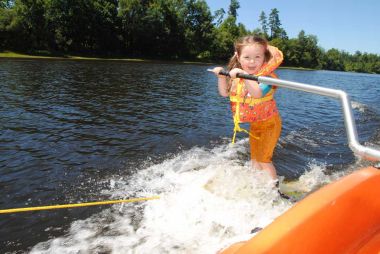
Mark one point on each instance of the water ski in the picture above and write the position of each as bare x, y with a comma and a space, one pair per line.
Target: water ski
295, 190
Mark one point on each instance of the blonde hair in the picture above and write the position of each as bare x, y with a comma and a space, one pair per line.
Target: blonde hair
247, 41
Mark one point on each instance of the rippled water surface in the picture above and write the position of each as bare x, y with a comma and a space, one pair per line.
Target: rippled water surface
75, 131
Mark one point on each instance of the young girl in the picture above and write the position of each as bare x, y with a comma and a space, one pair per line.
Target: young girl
253, 102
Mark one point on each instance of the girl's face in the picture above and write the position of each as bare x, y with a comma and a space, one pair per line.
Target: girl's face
252, 57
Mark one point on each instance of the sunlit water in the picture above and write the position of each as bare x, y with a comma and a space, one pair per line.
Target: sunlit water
84, 131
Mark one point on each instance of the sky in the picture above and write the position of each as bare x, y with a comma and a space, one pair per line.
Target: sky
348, 25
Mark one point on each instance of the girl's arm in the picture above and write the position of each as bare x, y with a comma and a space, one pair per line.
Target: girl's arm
276, 59
222, 82
252, 86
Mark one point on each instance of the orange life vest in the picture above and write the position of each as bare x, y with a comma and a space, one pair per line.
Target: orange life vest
252, 109
249, 109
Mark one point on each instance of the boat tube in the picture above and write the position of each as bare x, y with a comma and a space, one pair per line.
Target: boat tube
342, 217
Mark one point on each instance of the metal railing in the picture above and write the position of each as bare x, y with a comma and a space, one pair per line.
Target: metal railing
349, 121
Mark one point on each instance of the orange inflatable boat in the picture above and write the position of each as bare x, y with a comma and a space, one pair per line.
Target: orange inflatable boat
342, 217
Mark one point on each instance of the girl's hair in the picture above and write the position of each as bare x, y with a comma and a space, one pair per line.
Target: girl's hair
246, 41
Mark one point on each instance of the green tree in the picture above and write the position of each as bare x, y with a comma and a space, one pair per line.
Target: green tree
7, 17
308, 50
168, 28
105, 25
70, 25
291, 53
82, 25
360, 62
225, 36
31, 23
234, 6
274, 24
264, 24
333, 60
159, 30
219, 16
131, 13
6, 4
276, 31
227, 33
198, 28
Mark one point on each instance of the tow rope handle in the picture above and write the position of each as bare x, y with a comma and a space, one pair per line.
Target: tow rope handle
239, 75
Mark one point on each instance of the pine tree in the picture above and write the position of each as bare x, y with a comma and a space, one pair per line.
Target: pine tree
264, 23
274, 24
234, 6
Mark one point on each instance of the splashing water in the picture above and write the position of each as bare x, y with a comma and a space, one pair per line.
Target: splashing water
358, 106
208, 201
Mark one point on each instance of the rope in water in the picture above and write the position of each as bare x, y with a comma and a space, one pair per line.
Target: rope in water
52, 207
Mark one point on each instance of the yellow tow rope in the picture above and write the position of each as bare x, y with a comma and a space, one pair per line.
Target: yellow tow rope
238, 100
52, 207
237, 128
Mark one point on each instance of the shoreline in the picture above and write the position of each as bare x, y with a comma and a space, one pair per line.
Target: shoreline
16, 56
13, 55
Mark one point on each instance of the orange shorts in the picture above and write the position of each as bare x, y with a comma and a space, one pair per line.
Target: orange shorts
263, 138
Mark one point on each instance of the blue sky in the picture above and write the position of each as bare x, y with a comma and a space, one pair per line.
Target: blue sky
348, 25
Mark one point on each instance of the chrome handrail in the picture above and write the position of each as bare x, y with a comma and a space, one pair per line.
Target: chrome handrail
364, 152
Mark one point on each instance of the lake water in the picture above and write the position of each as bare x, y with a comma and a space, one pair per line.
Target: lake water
81, 131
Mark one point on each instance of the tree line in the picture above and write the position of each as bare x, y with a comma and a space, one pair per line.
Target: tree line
170, 29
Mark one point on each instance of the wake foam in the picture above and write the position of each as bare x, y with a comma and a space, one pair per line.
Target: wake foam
209, 199
359, 106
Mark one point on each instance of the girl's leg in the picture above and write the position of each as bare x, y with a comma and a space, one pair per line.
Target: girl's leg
269, 167
267, 134
256, 165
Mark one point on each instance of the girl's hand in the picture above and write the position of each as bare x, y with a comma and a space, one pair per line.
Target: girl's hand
235, 71
216, 70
